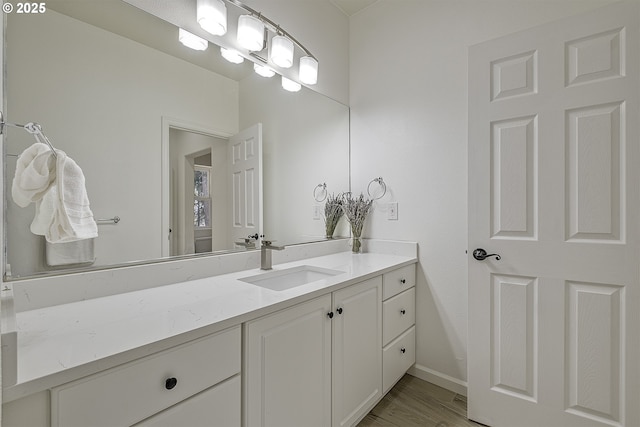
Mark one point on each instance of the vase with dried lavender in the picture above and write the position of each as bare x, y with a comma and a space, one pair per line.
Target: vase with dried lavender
332, 213
356, 210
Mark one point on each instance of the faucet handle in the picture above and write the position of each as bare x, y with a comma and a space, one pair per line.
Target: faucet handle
253, 236
268, 244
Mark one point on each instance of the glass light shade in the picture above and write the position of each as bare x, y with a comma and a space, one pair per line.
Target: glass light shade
263, 70
250, 33
308, 70
290, 85
282, 51
231, 55
191, 40
212, 16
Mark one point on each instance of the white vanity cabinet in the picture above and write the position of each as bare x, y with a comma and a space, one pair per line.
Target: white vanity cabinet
199, 378
357, 362
317, 363
398, 330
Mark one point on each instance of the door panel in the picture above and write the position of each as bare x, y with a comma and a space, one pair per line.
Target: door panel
513, 178
553, 188
245, 168
514, 335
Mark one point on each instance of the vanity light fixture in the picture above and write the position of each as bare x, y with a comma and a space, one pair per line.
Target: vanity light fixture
290, 85
191, 40
263, 70
308, 70
231, 55
251, 33
212, 16
282, 51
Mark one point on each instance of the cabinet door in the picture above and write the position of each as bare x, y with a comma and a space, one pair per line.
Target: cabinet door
217, 406
357, 350
288, 367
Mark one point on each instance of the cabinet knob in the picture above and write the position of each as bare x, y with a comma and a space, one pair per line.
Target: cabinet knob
403, 281
403, 311
403, 350
170, 383
330, 314
339, 310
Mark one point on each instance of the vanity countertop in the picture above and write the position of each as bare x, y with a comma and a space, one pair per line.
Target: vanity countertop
65, 342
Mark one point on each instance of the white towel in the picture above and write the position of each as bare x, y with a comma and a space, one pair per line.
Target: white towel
63, 212
35, 172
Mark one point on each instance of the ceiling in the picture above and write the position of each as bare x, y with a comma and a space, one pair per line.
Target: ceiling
351, 7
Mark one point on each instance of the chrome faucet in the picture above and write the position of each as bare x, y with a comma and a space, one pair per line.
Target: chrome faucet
265, 254
249, 242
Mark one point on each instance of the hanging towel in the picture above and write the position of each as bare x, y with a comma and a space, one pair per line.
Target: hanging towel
35, 172
70, 253
63, 212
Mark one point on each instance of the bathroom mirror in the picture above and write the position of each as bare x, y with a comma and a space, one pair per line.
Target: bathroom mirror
112, 86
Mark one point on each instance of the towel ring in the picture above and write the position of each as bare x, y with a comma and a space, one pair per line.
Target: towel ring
380, 182
317, 194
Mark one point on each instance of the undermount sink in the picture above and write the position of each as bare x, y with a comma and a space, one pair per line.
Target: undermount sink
281, 280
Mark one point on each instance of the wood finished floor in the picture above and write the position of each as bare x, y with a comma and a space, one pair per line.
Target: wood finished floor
414, 402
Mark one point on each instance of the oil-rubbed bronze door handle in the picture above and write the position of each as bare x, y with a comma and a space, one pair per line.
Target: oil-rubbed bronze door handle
480, 254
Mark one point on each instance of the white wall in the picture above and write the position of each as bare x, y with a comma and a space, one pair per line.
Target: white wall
408, 96
110, 124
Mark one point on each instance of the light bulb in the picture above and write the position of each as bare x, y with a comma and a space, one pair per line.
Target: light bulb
290, 85
308, 70
231, 55
282, 51
212, 16
191, 40
263, 70
250, 33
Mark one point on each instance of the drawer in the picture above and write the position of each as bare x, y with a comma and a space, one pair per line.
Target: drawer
397, 358
398, 315
397, 281
218, 406
132, 392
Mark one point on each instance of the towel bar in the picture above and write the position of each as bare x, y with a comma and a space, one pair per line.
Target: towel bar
114, 220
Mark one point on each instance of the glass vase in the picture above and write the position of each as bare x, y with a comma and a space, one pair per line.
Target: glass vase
356, 245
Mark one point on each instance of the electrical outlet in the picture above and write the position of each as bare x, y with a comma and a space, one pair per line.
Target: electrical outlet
392, 211
317, 212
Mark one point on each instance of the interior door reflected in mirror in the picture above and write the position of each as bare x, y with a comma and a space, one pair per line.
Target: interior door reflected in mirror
215, 190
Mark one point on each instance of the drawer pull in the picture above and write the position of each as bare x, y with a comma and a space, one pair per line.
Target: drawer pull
403, 311
170, 383
403, 350
330, 314
403, 281
339, 310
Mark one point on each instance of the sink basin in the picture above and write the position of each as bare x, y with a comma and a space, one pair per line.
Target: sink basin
281, 280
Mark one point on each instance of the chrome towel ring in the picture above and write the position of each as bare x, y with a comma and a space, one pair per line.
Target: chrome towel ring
381, 183
321, 195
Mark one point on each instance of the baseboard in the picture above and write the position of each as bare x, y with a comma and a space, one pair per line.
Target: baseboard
440, 379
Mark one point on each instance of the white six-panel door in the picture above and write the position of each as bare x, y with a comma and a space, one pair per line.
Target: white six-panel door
245, 178
554, 328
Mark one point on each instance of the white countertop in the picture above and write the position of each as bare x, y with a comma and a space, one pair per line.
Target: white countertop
65, 342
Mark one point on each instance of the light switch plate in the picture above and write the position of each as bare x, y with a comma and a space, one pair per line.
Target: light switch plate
317, 212
392, 211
